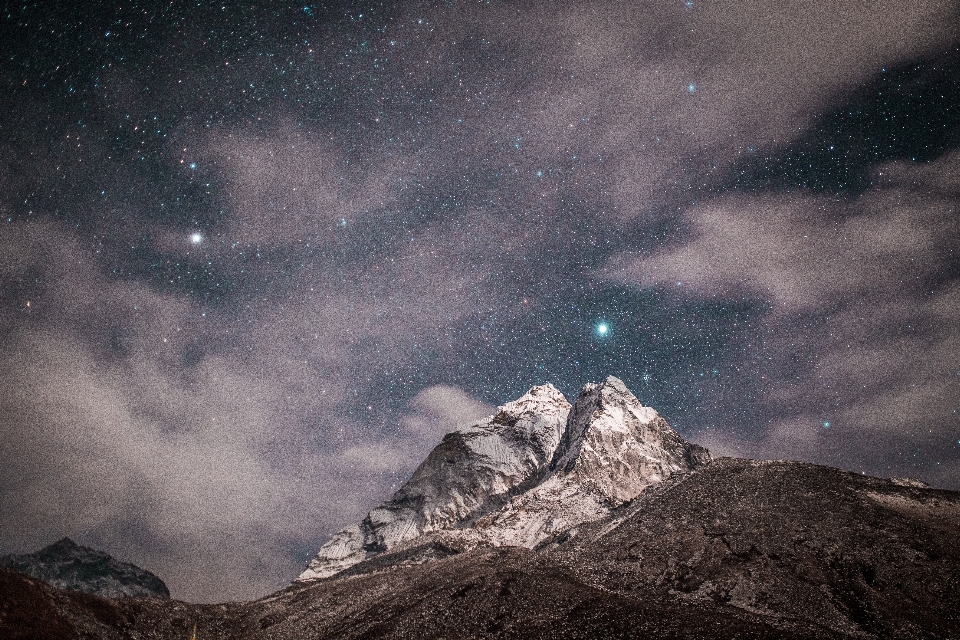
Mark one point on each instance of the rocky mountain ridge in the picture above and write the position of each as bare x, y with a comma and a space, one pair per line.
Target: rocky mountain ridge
471, 472
67, 565
736, 549
532, 470
594, 520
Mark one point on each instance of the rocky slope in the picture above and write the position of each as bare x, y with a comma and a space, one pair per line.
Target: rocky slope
735, 549
590, 521
859, 556
67, 565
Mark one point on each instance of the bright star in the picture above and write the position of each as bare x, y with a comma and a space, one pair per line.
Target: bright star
691, 87
826, 424
196, 238
193, 165
603, 329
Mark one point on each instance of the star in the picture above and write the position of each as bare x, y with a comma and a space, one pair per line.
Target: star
603, 329
196, 237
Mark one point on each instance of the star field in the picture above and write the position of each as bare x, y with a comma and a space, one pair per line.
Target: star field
256, 260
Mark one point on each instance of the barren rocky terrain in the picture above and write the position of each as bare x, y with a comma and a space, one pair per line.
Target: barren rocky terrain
737, 549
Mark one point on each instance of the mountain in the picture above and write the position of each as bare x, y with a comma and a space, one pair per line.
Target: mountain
612, 449
470, 473
530, 471
595, 520
67, 565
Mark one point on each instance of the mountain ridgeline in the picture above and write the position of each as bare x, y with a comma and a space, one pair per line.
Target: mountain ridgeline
591, 520
67, 565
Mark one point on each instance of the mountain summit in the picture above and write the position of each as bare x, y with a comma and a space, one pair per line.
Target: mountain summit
67, 565
471, 472
535, 468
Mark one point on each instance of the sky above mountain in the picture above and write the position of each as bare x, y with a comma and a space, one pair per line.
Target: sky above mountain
255, 259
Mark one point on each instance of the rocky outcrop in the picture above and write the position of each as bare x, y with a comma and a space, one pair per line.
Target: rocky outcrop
67, 565
616, 447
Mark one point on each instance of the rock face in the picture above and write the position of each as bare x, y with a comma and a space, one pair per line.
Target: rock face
472, 472
611, 450
534, 469
67, 565
616, 447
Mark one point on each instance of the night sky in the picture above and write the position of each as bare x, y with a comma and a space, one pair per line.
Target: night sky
256, 259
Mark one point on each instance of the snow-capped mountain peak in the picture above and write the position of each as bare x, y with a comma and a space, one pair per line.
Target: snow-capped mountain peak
617, 446
471, 472
535, 468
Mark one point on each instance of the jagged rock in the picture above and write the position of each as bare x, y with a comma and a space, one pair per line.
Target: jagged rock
471, 472
617, 447
67, 565
612, 449
531, 471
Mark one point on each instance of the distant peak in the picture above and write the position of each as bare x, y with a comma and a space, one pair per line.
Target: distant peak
67, 565
616, 383
536, 466
614, 387
65, 544
67, 548
596, 399
543, 393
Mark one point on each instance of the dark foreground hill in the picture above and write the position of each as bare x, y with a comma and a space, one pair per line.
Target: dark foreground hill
734, 549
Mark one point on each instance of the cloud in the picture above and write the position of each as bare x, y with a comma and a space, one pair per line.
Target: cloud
291, 186
440, 409
181, 436
642, 102
161, 429
84, 457
857, 353
799, 252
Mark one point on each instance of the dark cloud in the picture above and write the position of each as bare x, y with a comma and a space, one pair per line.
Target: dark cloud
254, 260
907, 112
860, 337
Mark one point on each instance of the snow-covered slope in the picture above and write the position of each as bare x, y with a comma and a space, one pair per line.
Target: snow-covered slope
471, 472
533, 470
612, 449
